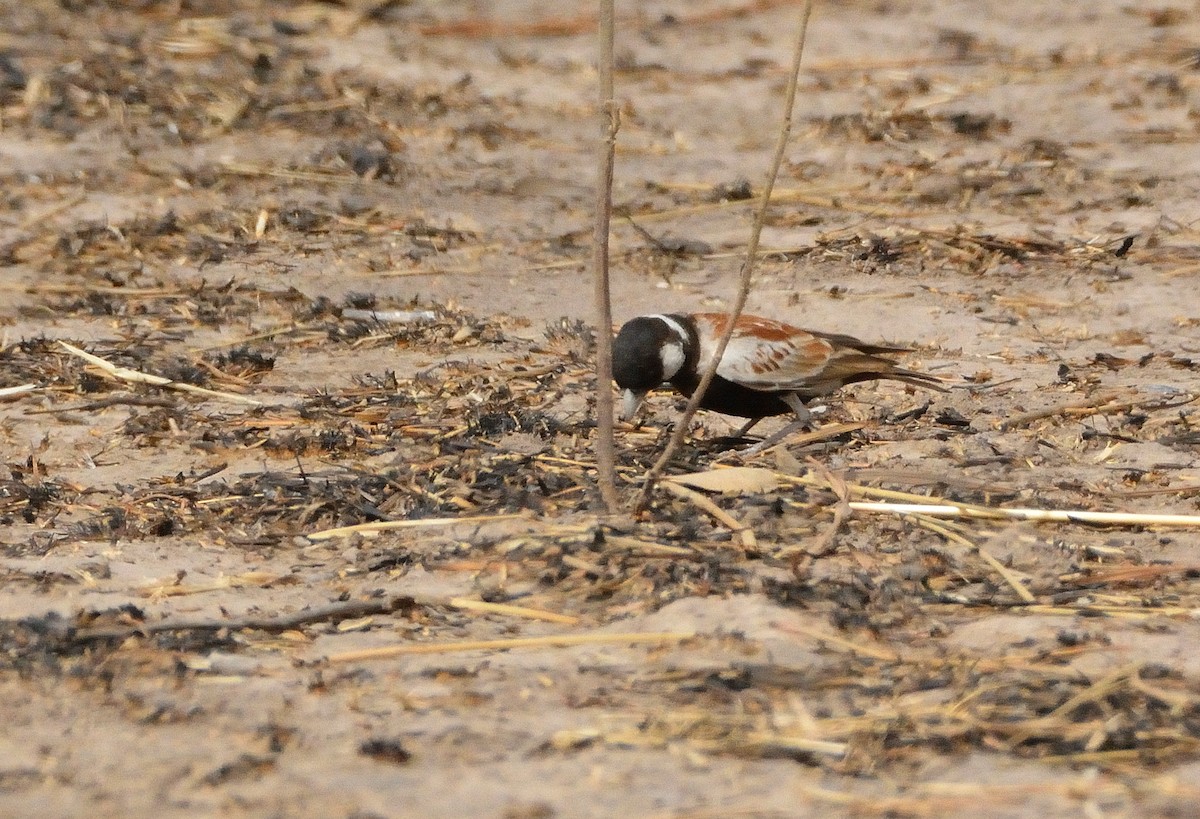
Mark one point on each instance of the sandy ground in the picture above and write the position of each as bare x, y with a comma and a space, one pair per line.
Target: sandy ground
1008, 188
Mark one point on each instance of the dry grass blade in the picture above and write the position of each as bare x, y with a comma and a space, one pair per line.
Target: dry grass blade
375, 527
917, 505
720, 515
248, 169
1091, 405
648, 547
549, 641
881, 654
291, 327
332, 612
840, 511
88, 289
1134, 611
1057, 719
1011, 579
1005, 573
12, 392
1136, 574
1043, 515
861, 491
483, 607
138, 377
767, 744
197, 37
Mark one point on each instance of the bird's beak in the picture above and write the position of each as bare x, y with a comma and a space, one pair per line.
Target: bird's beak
630, 401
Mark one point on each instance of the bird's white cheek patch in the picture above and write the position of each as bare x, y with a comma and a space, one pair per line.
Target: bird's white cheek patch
672, 359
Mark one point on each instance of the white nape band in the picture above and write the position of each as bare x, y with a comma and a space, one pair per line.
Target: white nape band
674, 325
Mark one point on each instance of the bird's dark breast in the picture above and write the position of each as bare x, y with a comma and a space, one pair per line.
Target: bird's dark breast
732, 399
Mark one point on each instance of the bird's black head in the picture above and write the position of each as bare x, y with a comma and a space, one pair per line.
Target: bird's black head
647, 351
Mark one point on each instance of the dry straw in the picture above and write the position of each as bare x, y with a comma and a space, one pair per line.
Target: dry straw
138, 377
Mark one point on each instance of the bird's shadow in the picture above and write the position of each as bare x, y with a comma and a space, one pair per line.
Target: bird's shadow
726, 443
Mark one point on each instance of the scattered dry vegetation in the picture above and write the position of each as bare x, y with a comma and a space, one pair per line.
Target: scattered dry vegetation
297, 478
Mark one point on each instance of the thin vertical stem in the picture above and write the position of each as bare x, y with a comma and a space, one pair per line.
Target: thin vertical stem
609, 123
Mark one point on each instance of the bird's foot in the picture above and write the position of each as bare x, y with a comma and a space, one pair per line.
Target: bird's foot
803, 414
729, 443
773, 440
803, 423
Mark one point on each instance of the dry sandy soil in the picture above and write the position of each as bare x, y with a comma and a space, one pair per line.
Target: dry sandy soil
239, 195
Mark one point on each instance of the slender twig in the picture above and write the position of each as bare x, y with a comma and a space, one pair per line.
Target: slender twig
606, 459
785, 130
332, 612
114, 401
139, 377
507, 643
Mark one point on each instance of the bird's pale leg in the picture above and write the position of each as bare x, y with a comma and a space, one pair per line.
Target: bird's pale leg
803, 416
749, 425
803, 421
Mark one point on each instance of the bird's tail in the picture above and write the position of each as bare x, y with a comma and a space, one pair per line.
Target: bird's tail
853, 365
923, 380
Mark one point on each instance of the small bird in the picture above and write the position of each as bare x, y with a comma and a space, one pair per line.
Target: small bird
769, 368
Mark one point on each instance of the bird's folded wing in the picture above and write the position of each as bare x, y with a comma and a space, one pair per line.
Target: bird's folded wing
780, 364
